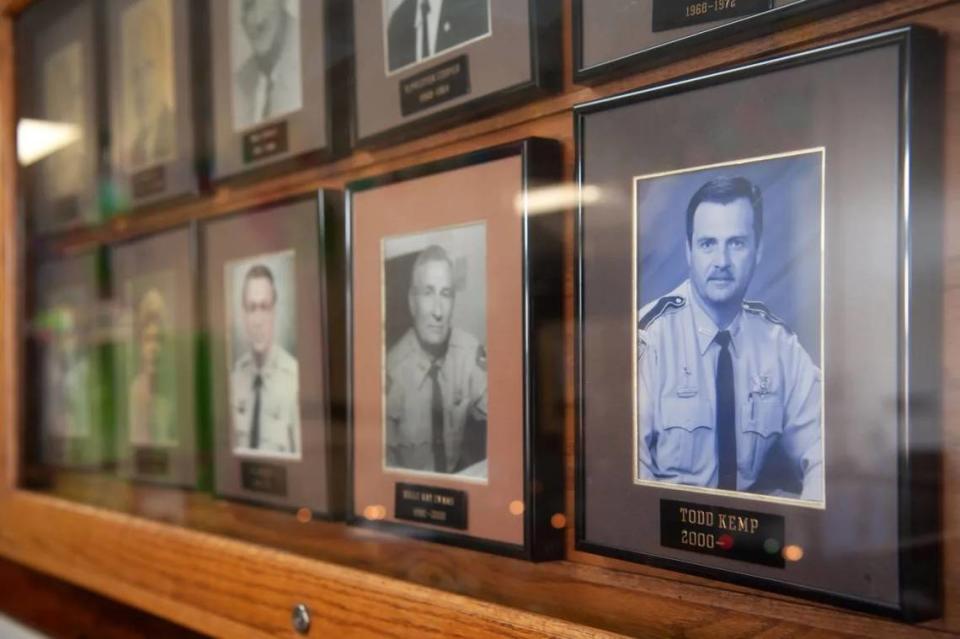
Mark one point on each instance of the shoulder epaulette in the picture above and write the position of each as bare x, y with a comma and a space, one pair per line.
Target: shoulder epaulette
759, 308
663, 305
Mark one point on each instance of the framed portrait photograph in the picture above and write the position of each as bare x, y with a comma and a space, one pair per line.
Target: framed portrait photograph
615, 37
58, 79
67, 351
455, 435
273, 289
155, 358
277, 82
155, 97
424, 64
749, 390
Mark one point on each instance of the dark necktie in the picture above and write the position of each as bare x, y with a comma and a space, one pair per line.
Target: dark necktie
268, 99
726, 416
255, 420
436, 420
424, 28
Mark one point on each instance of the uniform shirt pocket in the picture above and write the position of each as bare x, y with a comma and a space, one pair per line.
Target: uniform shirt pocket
762, 428
686, 440
764, 415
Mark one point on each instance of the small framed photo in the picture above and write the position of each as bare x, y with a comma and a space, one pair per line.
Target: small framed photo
456, 435
273, 277
275, 82
58, 80
67, 351
615, 37
155, 336
153, 99
738, 416
424, 64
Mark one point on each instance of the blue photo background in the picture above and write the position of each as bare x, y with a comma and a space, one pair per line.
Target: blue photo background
788, 276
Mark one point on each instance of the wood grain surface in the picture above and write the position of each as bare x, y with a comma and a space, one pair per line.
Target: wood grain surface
231, 570
61, 610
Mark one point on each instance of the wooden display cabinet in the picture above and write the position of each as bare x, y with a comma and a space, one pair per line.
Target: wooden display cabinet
235, 570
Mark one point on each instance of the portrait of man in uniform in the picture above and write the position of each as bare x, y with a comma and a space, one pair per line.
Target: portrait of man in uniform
728, 394
265, 50
418, 30
148, 103
151, 396
435, 381
264, 375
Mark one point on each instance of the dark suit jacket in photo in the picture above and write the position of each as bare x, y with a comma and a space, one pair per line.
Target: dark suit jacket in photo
460, 20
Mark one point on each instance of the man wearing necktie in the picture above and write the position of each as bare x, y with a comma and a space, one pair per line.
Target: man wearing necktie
264, 383
436, 379
727, 397
420, 29
268, 83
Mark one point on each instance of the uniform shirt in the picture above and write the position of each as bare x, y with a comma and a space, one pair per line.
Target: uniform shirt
776, 388
279, 402
463, 383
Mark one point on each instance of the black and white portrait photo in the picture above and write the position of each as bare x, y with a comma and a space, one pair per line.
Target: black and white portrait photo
64, 103
418, 30
435, 377
728, 287
266, 64
148, 102
152, 392
262, 355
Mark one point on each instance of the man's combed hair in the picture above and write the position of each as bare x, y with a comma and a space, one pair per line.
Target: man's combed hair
433, 253
724, 190
259, 271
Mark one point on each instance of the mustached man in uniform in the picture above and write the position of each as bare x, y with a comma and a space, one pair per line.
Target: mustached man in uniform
436, 379
264, 383
727, 396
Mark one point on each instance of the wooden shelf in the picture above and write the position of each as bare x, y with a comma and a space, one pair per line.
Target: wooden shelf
234, 570
612, 596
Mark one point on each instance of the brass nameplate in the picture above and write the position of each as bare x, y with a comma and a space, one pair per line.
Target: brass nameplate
265, 142
673, 14
741, 535
260, 477
435, 86
430, 505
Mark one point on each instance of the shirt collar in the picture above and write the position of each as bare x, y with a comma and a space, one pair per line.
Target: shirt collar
423, 362
268, 361
704, 327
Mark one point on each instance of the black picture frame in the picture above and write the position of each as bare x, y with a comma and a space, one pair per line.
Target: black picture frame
330, 331
546, 63
543, 308
185, 174
712, 35
918, 139
44, 31
337, 51
187, 462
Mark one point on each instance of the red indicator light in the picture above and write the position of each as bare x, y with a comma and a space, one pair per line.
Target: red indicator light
725, 542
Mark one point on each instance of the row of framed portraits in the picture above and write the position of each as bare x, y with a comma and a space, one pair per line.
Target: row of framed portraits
151, 99
757, 337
